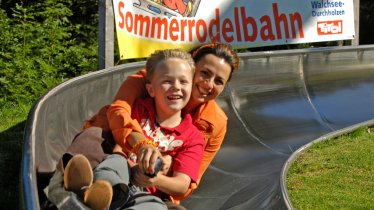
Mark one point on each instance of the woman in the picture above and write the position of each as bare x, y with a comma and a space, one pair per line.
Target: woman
215, 64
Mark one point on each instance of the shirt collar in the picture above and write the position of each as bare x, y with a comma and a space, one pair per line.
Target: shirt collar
183, 126
206, 111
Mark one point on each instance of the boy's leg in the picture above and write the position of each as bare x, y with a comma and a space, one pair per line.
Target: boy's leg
116, 170
78, 177
60, 197
145, 201
78, 188
83, 153
173, 206
93, 143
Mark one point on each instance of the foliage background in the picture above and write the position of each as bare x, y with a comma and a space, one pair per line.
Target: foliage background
43, 44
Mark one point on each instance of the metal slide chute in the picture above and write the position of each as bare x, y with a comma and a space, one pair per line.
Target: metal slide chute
276, 103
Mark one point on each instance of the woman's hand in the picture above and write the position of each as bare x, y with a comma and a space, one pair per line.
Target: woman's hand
147, 156
147, 153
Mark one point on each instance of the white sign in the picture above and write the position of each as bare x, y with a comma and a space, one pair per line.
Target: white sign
144, 25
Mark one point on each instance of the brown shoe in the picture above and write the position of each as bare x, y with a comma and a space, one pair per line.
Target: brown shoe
99, 195
78, 174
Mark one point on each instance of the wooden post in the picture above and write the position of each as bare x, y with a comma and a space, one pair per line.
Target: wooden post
356, 10
106, 34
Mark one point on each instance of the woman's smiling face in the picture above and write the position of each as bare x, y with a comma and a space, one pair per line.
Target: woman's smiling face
211, 75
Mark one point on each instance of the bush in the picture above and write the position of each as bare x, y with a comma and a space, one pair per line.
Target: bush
41, 45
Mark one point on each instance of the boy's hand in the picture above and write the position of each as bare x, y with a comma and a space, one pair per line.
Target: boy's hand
140, 179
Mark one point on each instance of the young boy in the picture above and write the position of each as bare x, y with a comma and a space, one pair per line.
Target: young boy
169, 82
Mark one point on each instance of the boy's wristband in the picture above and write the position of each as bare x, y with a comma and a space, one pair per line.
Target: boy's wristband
143, 142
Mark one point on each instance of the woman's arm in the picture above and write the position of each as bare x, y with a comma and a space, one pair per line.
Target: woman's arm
119, 112
116, 117
126, 131
133, 87
213, 144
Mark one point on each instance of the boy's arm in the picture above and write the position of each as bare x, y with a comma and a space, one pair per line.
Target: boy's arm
186, 166
171, 185
175, 185
211, 148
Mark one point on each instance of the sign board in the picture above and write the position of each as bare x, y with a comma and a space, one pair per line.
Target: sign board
143, 26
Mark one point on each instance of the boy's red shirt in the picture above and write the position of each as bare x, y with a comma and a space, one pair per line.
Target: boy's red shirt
209, 118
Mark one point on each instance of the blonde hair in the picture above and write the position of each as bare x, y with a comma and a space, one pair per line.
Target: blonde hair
162, 55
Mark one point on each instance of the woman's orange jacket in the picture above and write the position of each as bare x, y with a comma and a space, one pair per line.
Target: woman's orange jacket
209, 118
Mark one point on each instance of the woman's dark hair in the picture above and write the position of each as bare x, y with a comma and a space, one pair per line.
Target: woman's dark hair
220, 50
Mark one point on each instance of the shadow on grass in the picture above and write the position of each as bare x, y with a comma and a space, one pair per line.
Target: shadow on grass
11, 141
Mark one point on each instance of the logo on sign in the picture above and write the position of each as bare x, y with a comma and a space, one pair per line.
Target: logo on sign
330, 27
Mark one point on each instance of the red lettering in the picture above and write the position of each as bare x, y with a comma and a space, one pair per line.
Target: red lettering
183, 26
191, 24
266, 31
174, 29
121, 23
227, 27
215, 23
161, 23
278, 19
201, 24
129, 21
230, 29
237, 25
142, 22
330, 27
296, 18
248, 20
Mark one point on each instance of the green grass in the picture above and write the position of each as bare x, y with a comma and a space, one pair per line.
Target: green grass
13, 119
335, 174
12, 115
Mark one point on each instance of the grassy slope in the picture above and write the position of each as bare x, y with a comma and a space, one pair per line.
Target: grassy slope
336, 174
12, 125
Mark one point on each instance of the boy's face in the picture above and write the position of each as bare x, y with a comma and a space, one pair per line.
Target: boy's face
171, 85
